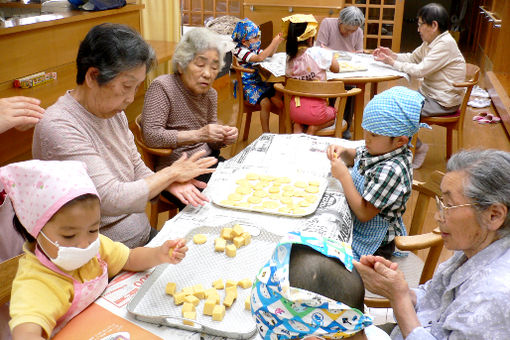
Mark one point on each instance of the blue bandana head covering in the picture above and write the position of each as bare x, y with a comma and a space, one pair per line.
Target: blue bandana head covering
245, 29
284, 312
394, 113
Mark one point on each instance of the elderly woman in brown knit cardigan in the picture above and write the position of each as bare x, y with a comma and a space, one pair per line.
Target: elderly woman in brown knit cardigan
180, 110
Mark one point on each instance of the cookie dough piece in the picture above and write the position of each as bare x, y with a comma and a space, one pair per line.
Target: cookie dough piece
218, 284
242, 204
235, 197
209, 306
298, 211
232, 290
288, 188
267, 178
238, 241
314, 183
218, 312
270, 204
274, 196
231, 250
243, 182
189, 315
252, 176
244, 283
226, 233
220, 244
274, 190
170, 288
288, 194
237, 230
247, 303
260, 193
212, 294
312, 189
299, 193
254, 199
230, 283
188, 307
300, 184
192, 299
282, 180
198, 291
227, 202
261, 185
304, 203
199, 238
258, 207
179, 298
242, 190
247, 238
187, 290
311, 198
229, 300
286, 200
285, 210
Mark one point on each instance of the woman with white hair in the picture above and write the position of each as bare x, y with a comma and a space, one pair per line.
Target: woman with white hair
344, 33
180, 110
467, 298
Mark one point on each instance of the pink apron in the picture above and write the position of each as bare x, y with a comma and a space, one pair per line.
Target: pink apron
84, 293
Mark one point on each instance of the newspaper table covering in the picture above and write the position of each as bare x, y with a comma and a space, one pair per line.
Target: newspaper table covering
276, 65
298, 153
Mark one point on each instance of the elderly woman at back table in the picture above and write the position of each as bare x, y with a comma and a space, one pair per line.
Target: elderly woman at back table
180, 109
88, 124
438, 61
344, 33
467, 298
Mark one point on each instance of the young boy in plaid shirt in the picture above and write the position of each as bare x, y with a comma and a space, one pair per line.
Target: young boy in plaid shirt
379, 184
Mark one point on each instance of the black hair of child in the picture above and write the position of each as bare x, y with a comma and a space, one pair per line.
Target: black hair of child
26, 235
327, 276
294, 31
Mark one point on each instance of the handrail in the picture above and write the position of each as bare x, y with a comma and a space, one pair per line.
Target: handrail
490, 15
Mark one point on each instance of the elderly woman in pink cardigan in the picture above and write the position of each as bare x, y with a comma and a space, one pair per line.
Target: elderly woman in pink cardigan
88, 124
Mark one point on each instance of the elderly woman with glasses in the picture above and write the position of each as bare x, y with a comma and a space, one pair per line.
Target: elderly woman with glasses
438, 61
467, 298
180, 111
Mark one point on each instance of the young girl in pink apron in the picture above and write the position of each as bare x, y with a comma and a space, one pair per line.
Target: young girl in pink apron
67, 263
307, 63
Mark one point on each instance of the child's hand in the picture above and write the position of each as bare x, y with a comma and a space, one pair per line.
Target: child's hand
279, 38
338, 169
334, 151
173, 251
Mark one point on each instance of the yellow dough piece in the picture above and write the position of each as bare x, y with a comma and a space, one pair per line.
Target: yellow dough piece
243, 190
282, 180
229, 300
247, 303
170, 288
260, 193
232, 290
230, 283
227, 202
300, 184
235, 197
179, 298
231, 250
199, 239
244, 283
188, 307
254, 199
299, 211
220, 244
274, 190
285, 210
189, 315
270, 204
192, 299
247, 238
187, 290
312, 189
286, 200
226, 233
314, 183
243, 181
252, 176
209, 306
238, 241
198, 291
218, 312
267, 178
311, 198
299, 193
288, 193
274, 196
218, 284
209, 292
261, 185
258, 207
304, 203
288, 188
242, 204
238, 230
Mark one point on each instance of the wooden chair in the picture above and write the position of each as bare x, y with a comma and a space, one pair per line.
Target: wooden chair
159, 203
456, 121
266, 34
415, 270
8, 270
244, 106
317, 89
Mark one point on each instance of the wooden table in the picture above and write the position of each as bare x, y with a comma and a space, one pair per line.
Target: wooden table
109, 314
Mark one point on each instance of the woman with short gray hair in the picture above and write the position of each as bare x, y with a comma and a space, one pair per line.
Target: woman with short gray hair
467, 296
180, 110
344, 33
88, 124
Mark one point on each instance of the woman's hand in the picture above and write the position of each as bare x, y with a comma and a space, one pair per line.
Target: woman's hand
188, 168
231, 134
385, 55
212, 133
188, 193
19, 112
173, 251
382, 277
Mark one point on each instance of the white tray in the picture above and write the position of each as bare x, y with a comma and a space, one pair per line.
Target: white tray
220, 196
202, 265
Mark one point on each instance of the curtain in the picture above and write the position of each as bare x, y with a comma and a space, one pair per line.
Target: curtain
161, 20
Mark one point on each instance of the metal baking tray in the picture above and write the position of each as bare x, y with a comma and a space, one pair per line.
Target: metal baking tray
202, 265
230, 186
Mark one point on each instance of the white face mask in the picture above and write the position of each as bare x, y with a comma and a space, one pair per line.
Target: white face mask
71, 258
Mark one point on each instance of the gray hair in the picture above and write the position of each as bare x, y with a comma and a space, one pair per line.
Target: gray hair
352, 16
193, 42
488, 179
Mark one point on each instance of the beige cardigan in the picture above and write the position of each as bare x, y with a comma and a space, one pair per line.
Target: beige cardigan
440, 64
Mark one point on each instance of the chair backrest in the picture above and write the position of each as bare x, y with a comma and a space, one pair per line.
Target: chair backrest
472, 77
266, 34
148, 154
316, 89
427, 191
8, 270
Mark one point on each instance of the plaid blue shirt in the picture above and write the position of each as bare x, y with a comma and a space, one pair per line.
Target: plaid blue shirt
386, 182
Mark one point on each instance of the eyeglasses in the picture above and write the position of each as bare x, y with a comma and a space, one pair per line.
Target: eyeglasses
442, 208
420, 23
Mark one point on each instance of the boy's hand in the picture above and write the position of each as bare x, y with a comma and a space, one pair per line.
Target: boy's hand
338, 169
334, 151
173, 251
279, 38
